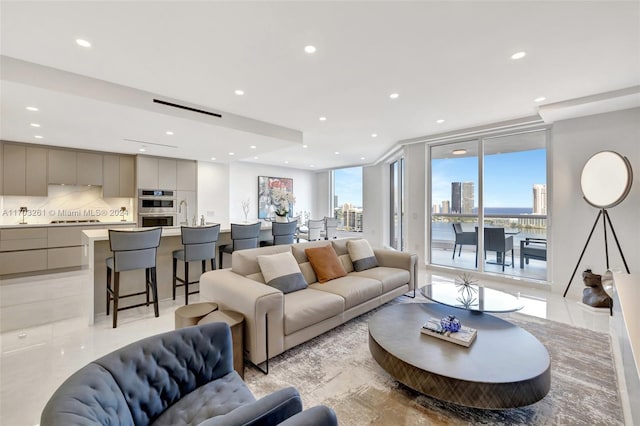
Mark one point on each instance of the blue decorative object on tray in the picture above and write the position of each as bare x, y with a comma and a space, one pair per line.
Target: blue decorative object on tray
450, 323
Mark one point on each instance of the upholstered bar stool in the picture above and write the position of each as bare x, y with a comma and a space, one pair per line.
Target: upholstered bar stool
330, 228
199, 245
314, 230
283, 233
242, 237
132, 250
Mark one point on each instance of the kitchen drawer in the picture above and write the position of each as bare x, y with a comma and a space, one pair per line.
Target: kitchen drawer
23, 261
64, 257
24, 233
65, 236
26, 244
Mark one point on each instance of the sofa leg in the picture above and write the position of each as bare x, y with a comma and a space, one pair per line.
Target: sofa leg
408, 294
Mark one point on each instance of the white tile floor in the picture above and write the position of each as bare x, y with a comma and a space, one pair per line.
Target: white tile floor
47, 337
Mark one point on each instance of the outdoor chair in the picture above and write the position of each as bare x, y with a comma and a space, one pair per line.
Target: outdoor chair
463, 238
532, 248
494, 240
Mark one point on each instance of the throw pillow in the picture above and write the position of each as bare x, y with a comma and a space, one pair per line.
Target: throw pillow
325, 263
362, 255
281, 271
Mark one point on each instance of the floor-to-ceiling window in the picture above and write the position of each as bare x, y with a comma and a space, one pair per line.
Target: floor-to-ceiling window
491, 193
347, 199
396, 204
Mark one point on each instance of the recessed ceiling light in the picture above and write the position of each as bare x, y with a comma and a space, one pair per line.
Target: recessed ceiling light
323, 119
310, 49
337, 153
374, 135
394, 96
239, 92
213, 158
440, 121
362, 158
232, 153
34, 125
169, 132
305, 146
82, 42
518, 55
252, 147
142, 150
286, 162
38, 137
32, 108
540, 99
311, 165
255, 158
459, 151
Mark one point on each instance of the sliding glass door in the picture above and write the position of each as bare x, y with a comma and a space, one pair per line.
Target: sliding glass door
396, 203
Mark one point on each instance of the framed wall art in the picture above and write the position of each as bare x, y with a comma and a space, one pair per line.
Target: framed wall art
275, 197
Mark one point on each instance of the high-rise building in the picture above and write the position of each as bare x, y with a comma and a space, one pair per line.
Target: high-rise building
539, 198
456, 197
435, 209
445, 207
467, 197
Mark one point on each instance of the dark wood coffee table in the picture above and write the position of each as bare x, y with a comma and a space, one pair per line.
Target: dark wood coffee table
504, 367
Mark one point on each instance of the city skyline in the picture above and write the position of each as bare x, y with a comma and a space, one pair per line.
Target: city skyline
348, 186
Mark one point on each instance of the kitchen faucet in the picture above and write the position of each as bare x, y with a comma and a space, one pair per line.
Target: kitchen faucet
186, 213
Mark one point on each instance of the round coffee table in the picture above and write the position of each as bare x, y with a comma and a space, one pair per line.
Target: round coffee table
504, 367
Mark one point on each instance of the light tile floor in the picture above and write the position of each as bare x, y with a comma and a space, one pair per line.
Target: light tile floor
50, 342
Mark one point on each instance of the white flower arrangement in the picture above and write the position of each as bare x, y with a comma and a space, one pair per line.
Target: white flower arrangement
283, 200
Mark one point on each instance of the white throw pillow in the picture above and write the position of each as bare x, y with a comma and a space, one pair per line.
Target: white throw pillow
361, 255
281, 271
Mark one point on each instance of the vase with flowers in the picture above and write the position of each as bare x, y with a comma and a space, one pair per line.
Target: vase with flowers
283, 201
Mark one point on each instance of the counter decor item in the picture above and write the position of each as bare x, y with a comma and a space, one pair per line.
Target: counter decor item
443, 329
246, 206
123, 212
23, 212
450, 323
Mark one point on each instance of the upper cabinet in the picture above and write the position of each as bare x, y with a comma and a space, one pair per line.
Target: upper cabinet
62, 167
89, 168
119, 176
166, 173
24, 170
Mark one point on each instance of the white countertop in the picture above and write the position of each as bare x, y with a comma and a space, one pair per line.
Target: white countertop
628, 288
167, 231
49, 225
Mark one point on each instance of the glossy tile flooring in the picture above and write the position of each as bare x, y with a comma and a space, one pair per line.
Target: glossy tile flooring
36, 359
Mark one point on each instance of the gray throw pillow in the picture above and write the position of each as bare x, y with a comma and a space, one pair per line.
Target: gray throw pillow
281, 271
361, 255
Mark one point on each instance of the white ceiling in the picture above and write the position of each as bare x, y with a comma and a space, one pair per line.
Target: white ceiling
447, 60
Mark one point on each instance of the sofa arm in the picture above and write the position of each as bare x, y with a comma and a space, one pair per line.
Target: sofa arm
256, 301
320, 415
270, 410
400, 260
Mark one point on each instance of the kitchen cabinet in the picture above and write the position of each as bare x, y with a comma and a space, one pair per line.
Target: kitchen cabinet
156, 173
119, 176
24, 170
62, 167
186, 175
89, 168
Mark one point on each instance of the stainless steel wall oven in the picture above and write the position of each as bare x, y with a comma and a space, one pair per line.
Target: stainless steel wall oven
157, 207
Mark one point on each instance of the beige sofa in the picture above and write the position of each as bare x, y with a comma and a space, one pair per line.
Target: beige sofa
293, 318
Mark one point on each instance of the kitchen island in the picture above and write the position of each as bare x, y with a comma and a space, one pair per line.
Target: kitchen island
95, 249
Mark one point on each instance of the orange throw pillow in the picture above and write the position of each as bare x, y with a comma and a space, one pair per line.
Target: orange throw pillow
325, 263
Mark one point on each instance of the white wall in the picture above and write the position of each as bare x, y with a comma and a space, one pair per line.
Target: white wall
213, 192
322, 196
243, 184
573, 143
415, 200
375, 199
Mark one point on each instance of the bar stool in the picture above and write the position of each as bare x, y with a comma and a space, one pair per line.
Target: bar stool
283, 233
132, 250
199, 244
242, 237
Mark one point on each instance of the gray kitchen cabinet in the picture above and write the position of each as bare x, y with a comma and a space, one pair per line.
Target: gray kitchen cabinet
186, 175
62, 167
166, 173
89, 168
24, 170
147, 170
119, 176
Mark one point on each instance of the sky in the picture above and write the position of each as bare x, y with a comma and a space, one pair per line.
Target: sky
508, 177
348, 186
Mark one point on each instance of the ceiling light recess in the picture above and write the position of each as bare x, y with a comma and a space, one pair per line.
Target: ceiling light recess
82, 42
518, 55
310, 49
540, 99
32, 108
394, 96
239, 92
323, 119
440, 121
459, 151
34, 125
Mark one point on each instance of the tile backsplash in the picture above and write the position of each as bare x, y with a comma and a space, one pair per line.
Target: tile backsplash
66, 202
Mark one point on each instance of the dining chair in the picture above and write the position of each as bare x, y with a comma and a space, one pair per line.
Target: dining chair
132, 250
314, 230
199, 245
494, 240
242, 237
330, 228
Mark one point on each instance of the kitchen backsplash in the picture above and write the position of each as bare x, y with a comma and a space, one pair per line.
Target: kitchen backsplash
66, 202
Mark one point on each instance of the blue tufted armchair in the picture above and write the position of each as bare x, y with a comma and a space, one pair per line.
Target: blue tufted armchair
183, 377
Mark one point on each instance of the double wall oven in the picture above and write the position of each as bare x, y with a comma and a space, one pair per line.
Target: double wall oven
157, 207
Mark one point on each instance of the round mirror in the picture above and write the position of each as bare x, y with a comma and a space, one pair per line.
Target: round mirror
606, 179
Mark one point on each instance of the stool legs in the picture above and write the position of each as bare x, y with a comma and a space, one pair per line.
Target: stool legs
154, 288
186, 282
116, 294
175, 271
108, 288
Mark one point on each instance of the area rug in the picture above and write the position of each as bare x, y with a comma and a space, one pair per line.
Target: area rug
337, 369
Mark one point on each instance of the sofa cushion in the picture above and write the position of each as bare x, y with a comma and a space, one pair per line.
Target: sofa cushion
391, 278
308, 307
215, 398
354, 289
307, 272
325, 263
346, 262
245, 262
361, 255
282, 272
298, 250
